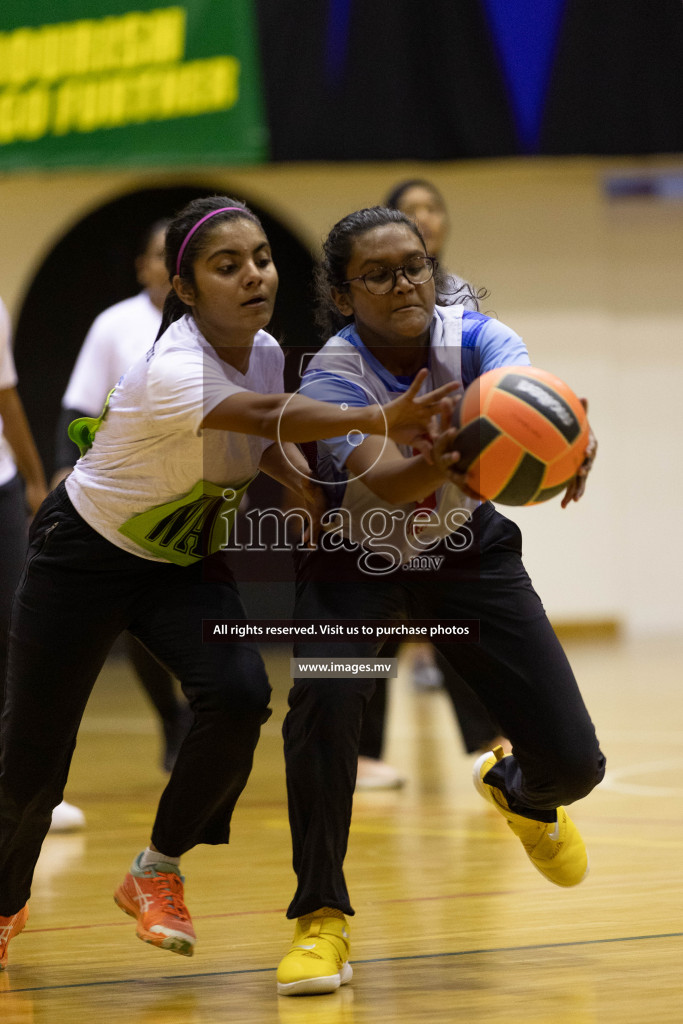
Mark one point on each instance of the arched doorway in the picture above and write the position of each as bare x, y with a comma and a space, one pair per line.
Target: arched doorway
92, 267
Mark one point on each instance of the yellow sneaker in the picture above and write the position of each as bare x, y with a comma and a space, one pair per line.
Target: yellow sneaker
555, 848
318, 959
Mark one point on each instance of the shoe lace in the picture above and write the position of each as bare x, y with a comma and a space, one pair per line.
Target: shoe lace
169, 890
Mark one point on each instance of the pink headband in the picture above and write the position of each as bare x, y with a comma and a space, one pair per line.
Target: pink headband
188, 236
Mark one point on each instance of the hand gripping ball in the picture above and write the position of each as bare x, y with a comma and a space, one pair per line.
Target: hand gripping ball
522, 435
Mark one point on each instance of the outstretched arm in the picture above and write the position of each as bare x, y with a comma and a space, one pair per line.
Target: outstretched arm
391, 476
289, 417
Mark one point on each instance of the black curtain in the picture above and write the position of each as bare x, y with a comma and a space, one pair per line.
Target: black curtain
421, 79
617, 87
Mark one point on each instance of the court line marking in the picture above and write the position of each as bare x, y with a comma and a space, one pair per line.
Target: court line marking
616, 779
366, 828
277, 910
371, 960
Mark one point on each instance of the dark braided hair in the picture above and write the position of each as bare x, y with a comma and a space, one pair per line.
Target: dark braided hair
177, 232
331, 270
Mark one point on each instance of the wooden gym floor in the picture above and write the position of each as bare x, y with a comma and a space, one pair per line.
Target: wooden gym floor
452, 923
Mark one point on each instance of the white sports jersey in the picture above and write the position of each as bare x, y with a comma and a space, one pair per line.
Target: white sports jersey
8, 379
153, 479
118, 336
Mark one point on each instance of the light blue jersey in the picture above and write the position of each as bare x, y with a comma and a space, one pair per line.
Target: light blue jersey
463, 345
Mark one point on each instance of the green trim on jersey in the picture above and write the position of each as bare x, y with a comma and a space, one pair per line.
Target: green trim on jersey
187, 529
82, 431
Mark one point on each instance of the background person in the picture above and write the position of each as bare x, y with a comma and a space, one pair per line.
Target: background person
22, 489
423, 202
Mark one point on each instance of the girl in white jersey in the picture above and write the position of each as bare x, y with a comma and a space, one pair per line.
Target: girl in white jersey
133, 540
116, 338
378, 297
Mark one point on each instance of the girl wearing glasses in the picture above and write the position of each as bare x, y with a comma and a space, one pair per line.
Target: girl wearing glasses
422, 201
379, 298
134, 539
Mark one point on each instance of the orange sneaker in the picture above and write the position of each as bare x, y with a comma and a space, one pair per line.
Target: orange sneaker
155, 898
9, 927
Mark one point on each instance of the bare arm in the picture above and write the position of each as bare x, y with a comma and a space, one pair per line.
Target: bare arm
288, 417
18, 434
391, 476
285, 463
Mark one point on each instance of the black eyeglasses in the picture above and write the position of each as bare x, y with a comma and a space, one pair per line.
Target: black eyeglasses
417, 270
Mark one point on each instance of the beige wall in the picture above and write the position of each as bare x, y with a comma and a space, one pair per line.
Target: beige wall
595, 289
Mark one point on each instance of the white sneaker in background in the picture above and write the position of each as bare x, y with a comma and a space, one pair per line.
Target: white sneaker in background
67, 818
425, 673
376, 774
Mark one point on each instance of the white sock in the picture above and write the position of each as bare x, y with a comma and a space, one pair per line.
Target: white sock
150, 857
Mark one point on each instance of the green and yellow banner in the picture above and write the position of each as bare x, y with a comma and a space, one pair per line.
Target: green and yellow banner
129, 82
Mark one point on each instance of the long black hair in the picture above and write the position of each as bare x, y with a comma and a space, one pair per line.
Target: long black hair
331, 270
177, 236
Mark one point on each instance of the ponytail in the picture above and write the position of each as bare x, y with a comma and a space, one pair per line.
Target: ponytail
174, 309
